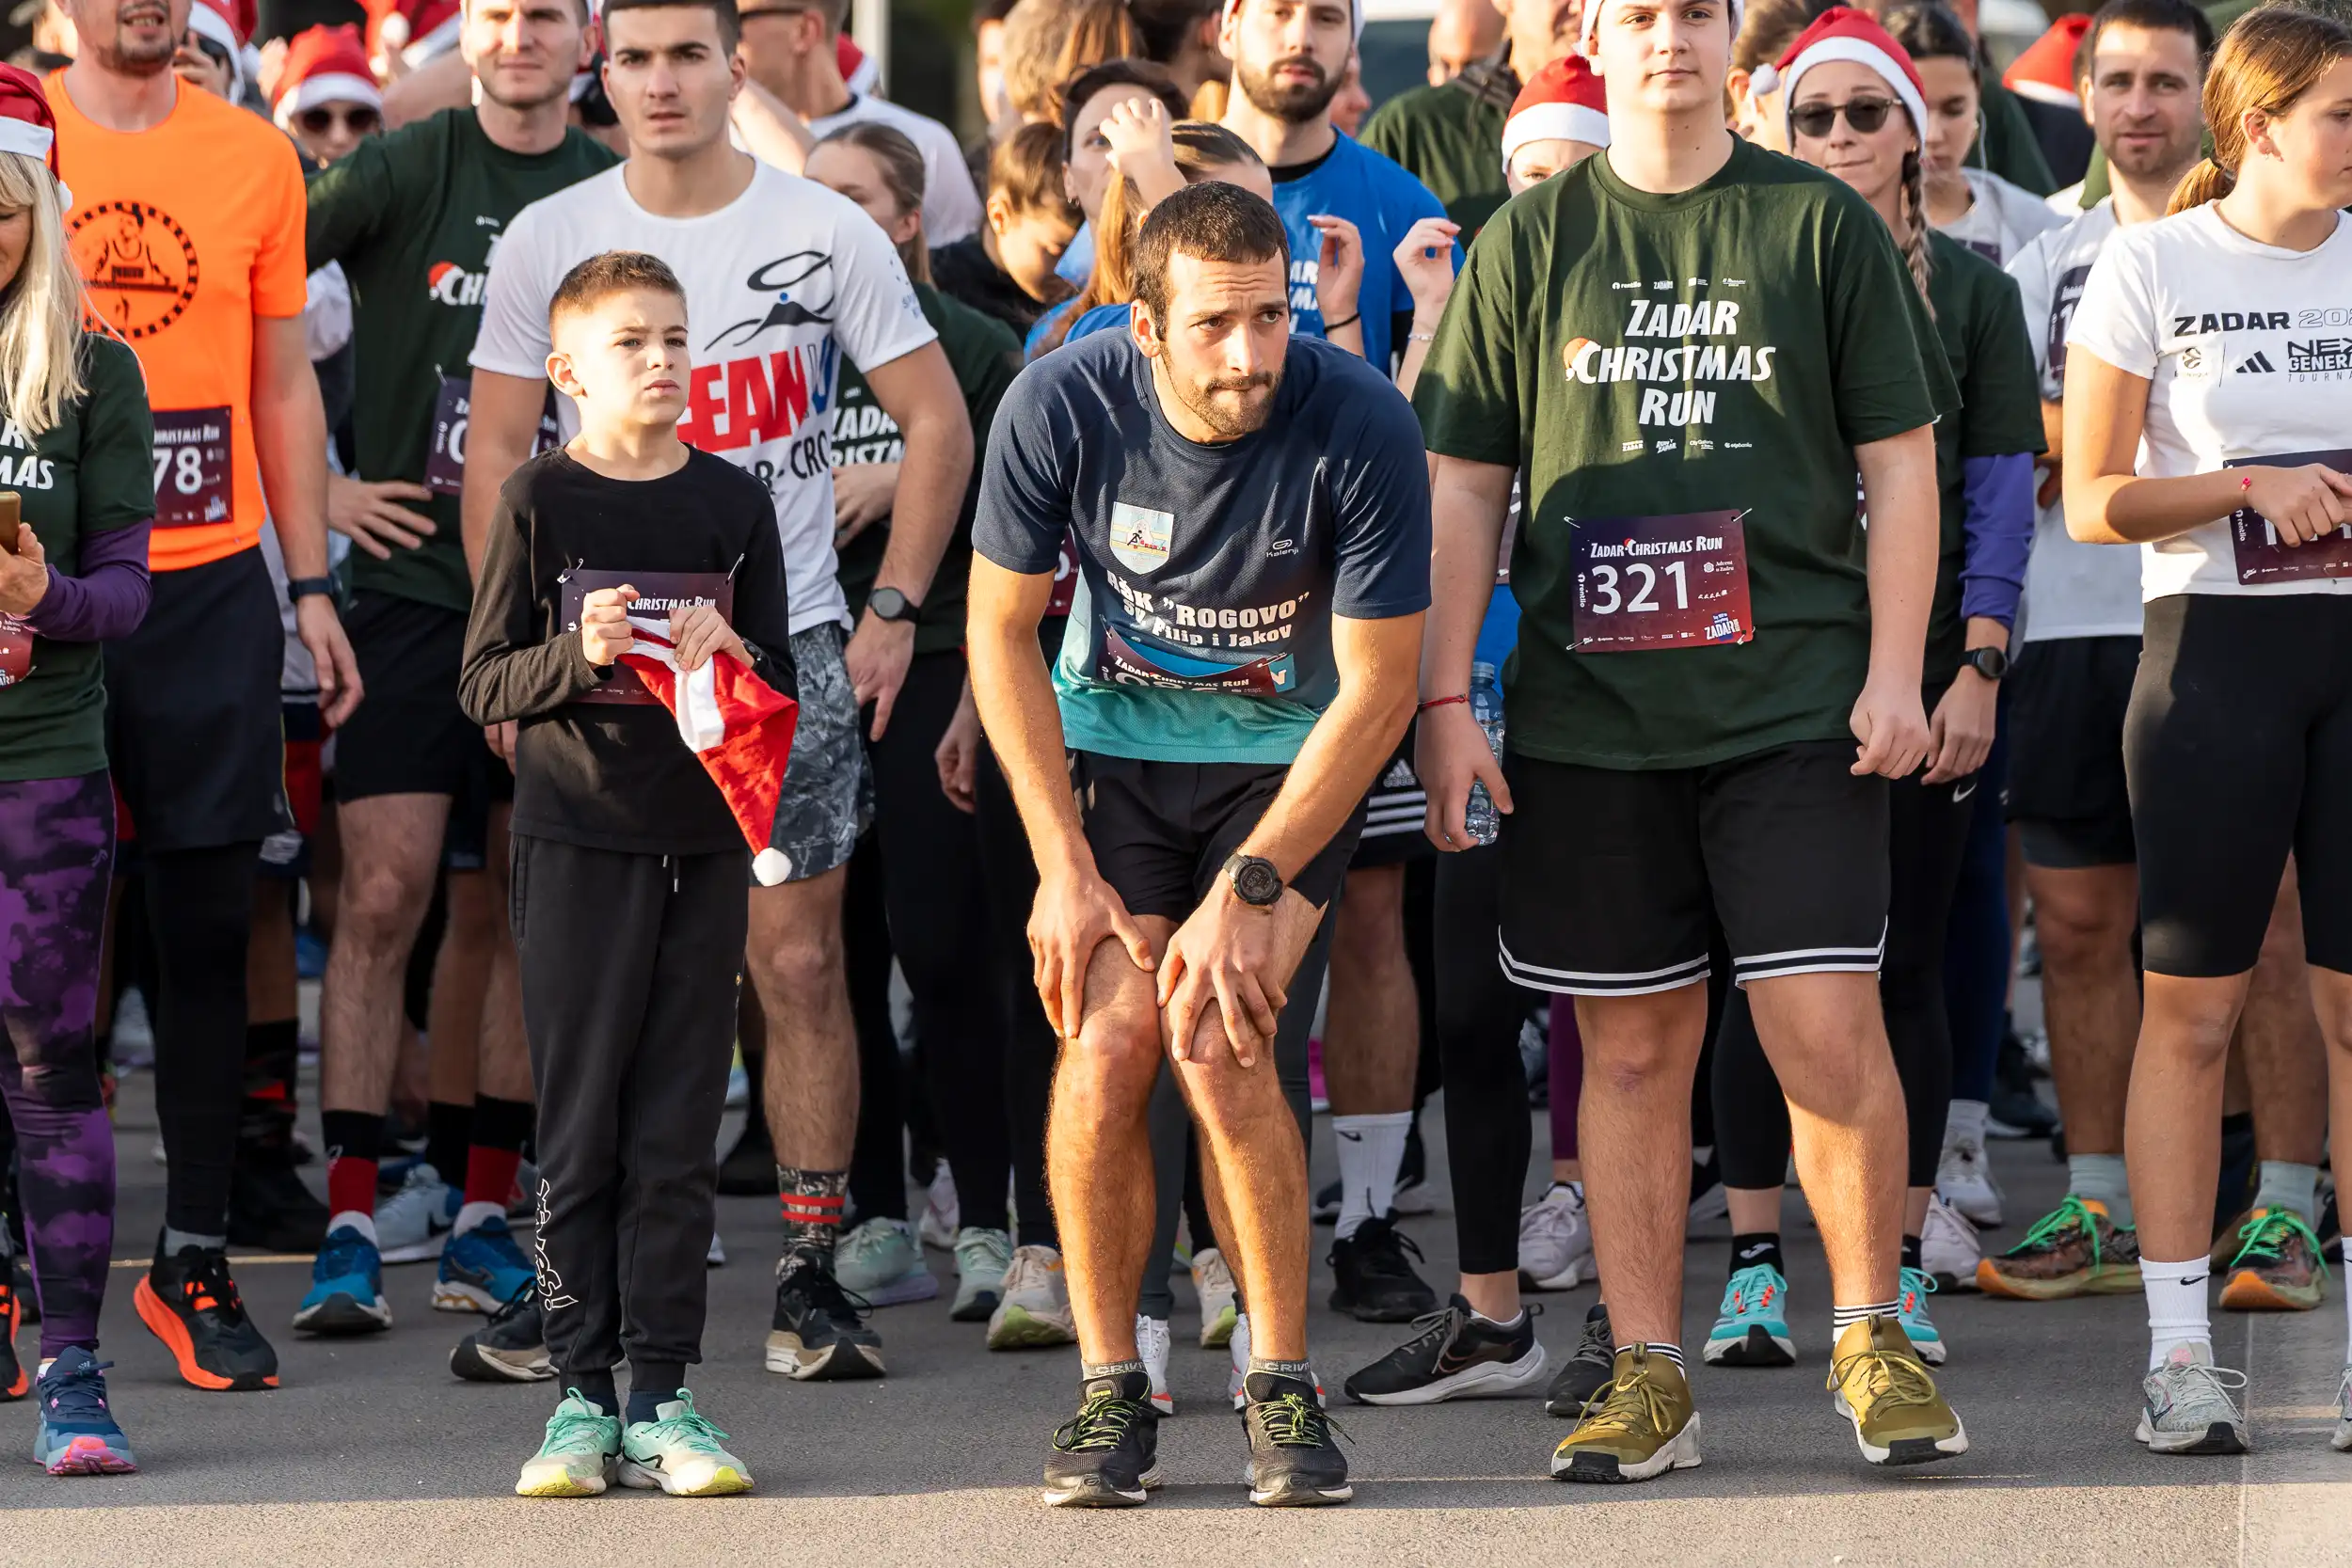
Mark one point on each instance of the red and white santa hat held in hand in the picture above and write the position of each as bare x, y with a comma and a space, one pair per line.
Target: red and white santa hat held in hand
2045, 72
736, 724
27, 126
1842, 33
1565, 100
325, 65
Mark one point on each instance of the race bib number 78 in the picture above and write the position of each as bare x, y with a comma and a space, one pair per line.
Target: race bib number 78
1660, 582
193, 484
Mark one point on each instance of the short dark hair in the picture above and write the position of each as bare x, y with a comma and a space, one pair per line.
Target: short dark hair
612, 272
1165, 25
1213, 221
1932, 32
730, 24
1116, 73
2155, 16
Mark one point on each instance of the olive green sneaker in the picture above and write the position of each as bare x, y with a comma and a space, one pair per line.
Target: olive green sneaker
1642, 1424
1887, 1392
579, 1455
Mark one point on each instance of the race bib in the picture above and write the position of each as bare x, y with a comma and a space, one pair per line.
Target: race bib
662, 594
1065, 577
1660, 582
16, 649
2264, 557
193, 482
1123, 663
445, 464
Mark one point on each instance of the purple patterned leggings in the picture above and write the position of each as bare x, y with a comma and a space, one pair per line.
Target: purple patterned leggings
57, 851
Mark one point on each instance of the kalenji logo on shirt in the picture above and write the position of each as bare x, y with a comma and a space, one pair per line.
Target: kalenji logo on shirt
452, 284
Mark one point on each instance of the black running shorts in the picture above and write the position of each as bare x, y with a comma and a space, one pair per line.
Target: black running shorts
2239, 749
1393, 812
409, 737
1611, 880
2067, 698
1161, 832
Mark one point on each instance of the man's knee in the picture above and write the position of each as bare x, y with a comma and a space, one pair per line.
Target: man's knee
796, 963
1108, 1070
1369, 926
1631, 1042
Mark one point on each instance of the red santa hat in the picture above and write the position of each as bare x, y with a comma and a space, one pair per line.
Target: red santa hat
1591, 22
736, 724
2046, 70
1566, 99
1842, 33
226, 23
858, 68
325, 65
27, 126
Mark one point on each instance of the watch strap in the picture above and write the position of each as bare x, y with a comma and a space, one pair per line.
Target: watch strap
302, 588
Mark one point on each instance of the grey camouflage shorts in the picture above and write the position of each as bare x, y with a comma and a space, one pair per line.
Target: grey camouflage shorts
828, 794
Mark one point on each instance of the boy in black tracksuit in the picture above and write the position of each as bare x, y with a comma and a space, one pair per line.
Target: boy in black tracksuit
629, 872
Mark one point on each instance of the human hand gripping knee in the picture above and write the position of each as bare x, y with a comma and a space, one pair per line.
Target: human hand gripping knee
1075, 913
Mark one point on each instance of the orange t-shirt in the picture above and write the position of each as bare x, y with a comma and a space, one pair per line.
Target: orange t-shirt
184, 234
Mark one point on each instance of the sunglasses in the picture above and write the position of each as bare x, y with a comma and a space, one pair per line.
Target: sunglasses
359, 120
1866, 114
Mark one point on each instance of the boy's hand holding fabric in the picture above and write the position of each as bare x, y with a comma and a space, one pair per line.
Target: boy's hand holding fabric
739, 725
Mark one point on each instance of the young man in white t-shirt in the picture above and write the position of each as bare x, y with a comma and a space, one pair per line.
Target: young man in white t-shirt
2144, 64
783, 279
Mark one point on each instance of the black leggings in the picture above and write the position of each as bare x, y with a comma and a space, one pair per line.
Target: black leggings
926, 855
200, 908
1488, 1134
1927, 834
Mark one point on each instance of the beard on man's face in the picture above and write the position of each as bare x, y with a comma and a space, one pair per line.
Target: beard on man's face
1224, 415
1295, 102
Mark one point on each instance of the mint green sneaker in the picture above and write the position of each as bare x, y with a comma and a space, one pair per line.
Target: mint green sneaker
678, 1452
880, 1260
1752, 1330
577, 1459
1910, 1311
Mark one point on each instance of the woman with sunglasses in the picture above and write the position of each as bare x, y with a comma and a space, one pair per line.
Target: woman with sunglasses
1987, 214
325, 97
2207, 418
1853, 106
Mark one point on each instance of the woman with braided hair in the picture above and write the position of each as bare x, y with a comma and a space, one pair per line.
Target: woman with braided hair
1852, 106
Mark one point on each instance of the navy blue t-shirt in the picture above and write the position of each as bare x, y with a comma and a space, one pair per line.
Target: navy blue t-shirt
1382, 200
1208, 574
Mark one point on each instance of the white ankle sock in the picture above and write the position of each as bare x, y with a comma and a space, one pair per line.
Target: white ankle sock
2176, 1306
473, 1214
1965, 1121
1372, 1149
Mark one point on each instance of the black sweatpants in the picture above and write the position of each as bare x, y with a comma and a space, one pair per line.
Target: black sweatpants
1031, 1047
1927, 835
200, 908
629, 966
1488, 1133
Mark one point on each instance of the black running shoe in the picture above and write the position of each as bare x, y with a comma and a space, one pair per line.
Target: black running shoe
1108, 1454
511, 1348
1294, 1458
1371, 1280
749, 1169
1593, 1367
819, 1334
188, 1301
272, 1208
1453, 1355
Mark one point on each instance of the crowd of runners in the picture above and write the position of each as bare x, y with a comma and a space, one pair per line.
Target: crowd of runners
1604, 575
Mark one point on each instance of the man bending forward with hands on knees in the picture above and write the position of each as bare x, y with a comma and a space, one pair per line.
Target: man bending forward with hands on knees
1251, 517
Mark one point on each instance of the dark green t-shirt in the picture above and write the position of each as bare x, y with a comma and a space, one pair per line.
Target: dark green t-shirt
412, 217
1983, 330
92, 471
986, 356
1450, 138
2007, 144
1651, 356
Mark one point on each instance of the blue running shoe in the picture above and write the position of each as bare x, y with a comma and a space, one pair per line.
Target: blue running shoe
1754, 1328
481, 1269
346, 1288
1910, 1310
77, 1436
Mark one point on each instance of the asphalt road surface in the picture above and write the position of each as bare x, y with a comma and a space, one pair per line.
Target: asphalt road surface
371, 1453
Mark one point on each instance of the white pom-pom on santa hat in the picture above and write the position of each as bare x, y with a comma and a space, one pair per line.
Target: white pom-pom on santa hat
1842, 33
1565, 100
736, 724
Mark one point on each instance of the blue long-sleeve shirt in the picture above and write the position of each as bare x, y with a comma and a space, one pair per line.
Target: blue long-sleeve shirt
1997, 529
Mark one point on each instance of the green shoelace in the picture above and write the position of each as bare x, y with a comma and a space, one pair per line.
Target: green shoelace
1099, 1424
689, 1426
2051, 1228
1294, 1421
2265, 1239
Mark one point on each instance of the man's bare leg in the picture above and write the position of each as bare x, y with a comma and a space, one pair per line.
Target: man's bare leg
2084, 919
809, 1082
1635, 1121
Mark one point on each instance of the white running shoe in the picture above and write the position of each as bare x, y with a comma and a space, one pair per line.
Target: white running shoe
717, 1257
413, 1223
1556, 1241
1965, 1179
1151, 1345
878, 1260
2189, 1405
1213, 1282
943, 1214
1948, 1248
1034, 1310
2342, 1441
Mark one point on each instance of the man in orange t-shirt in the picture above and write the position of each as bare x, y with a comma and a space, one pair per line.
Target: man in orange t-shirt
187, 221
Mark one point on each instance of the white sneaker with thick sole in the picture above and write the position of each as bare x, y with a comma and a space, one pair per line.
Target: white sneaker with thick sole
1948, 1248
1152, 1341
1963, 1178
1556, 1241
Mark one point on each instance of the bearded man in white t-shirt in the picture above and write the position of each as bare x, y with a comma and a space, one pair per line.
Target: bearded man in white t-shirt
782, 279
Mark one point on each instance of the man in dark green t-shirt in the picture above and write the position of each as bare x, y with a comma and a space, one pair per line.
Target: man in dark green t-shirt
412, 217
1447, 136
1692, 348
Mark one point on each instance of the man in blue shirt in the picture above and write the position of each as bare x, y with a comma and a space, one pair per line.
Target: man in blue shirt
1251, 521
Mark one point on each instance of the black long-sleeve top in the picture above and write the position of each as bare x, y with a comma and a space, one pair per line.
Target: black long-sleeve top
590, 771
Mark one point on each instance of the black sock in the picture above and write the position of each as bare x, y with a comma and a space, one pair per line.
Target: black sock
1911, 1252
266, 1117
652, 1385
597, 1389
1752, 1247
447, 1135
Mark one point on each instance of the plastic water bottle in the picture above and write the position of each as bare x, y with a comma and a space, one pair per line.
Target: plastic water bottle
1486, 705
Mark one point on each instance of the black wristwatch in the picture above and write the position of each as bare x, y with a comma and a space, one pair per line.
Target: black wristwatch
1992, 663
888, 604
298, 589
1255, 881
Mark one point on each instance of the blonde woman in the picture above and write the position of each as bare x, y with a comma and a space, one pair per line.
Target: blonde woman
76, 445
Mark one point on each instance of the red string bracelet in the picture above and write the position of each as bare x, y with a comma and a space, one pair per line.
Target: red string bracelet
1440, 702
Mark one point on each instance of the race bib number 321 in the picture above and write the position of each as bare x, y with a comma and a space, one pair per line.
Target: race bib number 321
1660, 582
193, 484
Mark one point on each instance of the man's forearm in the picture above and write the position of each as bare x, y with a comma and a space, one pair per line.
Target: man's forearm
290, 445
496, 446
1014, 694
769, 130
923, 512
1898, 492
